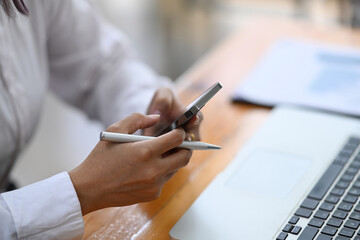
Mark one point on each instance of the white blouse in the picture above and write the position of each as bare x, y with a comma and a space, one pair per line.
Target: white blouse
62, 45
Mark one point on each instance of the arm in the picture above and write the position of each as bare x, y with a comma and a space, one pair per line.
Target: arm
112, 175
47, 209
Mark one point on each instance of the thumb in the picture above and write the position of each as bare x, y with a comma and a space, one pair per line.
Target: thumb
134, 122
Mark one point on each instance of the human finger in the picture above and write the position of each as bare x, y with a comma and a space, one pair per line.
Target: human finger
161, 102
192, 128
165, 142
176, 160
134, 122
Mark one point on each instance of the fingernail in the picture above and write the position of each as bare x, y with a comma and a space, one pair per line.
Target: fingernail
183, 134
154, 115
157, 112
197, 120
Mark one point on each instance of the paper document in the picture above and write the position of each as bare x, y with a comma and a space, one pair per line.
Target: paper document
307, 74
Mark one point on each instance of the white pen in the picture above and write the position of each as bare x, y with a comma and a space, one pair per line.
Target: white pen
124, 138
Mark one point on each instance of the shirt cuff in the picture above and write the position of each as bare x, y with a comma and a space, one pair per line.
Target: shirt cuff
48, 209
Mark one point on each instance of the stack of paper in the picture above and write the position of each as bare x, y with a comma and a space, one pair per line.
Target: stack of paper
307, 74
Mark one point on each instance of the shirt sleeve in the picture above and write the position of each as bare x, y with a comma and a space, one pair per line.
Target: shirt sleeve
7, 226
92, 64
48, 209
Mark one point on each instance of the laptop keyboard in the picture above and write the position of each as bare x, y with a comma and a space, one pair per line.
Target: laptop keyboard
331, 210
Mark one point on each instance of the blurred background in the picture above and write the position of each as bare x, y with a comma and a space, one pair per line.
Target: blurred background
170, 36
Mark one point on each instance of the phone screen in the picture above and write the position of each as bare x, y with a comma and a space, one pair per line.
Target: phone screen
192, 109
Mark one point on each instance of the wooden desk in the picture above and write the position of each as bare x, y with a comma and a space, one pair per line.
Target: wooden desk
226, 124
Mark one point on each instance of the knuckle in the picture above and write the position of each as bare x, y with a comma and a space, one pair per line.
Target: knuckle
164, 92
146, 152
139, 120
137, 115
153, 176
186, 157
154, 193
178, 136
183, 158
115, 127
163, 99
111, 128
157, 194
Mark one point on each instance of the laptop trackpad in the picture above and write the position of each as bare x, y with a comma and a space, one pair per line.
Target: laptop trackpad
269, 173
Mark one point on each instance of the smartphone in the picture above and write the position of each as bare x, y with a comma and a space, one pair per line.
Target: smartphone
192, 109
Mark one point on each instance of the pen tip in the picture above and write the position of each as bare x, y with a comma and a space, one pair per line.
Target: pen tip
214, 147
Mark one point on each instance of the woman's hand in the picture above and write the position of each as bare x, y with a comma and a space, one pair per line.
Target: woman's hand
118, 174
168, 106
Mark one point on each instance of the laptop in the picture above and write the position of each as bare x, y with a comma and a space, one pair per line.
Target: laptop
296, 178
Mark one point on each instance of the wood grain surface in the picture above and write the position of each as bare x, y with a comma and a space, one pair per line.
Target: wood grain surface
225, 123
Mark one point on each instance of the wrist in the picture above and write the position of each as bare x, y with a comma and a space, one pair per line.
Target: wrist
82, 190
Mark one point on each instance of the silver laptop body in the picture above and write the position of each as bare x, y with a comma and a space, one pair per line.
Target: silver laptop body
257, 194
